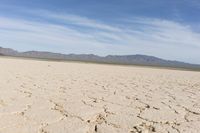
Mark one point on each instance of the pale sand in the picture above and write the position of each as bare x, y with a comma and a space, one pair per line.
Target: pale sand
67, 97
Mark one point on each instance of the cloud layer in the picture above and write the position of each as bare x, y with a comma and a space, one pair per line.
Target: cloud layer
69, 33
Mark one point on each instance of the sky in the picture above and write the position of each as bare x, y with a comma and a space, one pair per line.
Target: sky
169, 29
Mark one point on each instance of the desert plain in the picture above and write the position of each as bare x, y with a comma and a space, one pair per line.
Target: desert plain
71, 97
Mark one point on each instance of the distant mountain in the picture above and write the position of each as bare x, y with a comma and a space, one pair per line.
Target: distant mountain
111, 59
8, 51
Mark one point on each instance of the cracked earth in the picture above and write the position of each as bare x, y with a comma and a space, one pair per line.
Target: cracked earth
67, 97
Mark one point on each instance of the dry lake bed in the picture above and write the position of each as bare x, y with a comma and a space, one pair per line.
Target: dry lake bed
68, 97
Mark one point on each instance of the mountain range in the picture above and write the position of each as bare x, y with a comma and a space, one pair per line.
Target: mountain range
143, 60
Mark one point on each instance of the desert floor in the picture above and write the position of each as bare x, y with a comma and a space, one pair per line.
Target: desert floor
69, 97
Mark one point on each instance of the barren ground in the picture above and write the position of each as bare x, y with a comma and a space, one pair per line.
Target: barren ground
67, 97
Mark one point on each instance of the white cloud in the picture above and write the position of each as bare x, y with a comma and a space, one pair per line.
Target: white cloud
76, 34
75, 20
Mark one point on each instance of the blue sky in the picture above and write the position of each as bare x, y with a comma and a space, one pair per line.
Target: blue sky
168, 29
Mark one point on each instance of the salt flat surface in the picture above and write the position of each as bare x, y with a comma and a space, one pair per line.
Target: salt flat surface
67, 97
